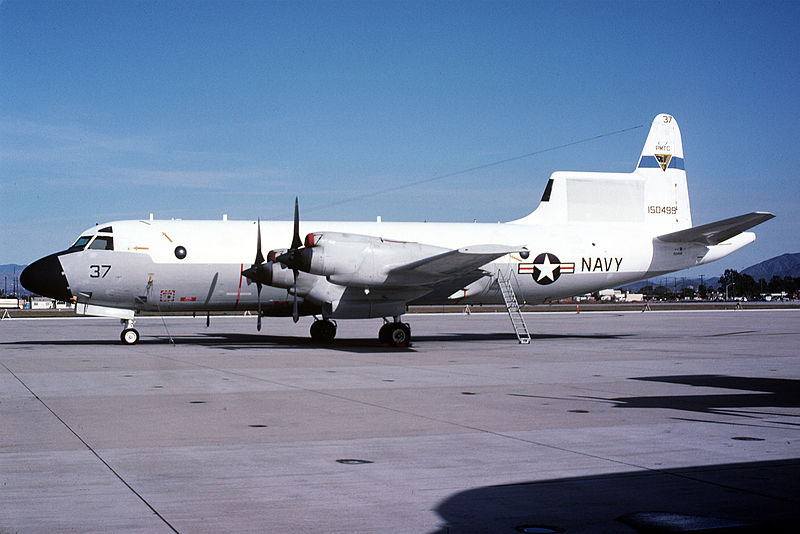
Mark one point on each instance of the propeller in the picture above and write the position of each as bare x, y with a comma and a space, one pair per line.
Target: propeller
252, 272
291, 257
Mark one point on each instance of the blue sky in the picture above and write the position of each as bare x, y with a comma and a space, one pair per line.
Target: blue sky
113, 110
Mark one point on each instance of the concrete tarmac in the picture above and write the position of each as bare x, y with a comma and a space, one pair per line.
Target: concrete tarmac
607, 422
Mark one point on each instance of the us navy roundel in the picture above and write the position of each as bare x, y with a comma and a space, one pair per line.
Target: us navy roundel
546, 268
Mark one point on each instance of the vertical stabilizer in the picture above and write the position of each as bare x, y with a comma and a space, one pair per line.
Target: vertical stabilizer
654, 196
662, 167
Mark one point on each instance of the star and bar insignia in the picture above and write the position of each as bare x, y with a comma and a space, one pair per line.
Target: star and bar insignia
546, 268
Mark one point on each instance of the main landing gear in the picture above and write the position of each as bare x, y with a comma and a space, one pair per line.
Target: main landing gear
392, 333
323, 330
129, 335
395, 334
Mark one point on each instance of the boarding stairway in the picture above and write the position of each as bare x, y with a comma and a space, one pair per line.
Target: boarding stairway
512, 306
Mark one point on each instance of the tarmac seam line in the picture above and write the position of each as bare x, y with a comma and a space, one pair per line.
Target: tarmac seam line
91, 449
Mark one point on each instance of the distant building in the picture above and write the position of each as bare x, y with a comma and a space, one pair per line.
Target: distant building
617, 295
41, 303
11, 304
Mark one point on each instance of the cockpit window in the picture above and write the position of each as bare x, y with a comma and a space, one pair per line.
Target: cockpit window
102, 243
80, 244
106, 229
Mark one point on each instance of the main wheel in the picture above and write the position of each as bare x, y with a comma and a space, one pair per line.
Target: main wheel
129, 336
323, 331
399, 335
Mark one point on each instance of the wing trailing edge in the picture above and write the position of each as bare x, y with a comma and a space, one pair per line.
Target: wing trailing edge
716, 232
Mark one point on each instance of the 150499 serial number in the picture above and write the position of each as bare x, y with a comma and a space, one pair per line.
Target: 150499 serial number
666, 210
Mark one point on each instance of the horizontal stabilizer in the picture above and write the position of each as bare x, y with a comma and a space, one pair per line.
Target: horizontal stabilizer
717, 232
454, 262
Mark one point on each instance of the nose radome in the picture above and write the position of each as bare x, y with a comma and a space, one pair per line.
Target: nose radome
45, 277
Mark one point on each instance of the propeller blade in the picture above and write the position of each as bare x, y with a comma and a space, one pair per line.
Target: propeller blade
259, 255
296, 241
258, 322
295, 313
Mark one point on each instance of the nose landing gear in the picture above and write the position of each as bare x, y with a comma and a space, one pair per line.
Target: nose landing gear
129, 335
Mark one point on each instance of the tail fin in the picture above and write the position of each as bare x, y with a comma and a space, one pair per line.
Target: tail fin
661, 164
654, 194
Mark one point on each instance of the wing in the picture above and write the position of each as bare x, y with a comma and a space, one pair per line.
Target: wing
369, 276
457, 263
717, 232
373, 262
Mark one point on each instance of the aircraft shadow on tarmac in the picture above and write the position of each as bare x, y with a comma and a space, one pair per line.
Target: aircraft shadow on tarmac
761, 393
742, 498
237, 341
231, 341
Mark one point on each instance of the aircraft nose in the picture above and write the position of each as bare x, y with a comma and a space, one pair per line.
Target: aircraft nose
46, 277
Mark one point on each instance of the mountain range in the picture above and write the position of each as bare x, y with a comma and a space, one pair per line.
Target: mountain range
782, 266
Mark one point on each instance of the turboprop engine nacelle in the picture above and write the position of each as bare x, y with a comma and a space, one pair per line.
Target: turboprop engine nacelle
276, 274
358, 260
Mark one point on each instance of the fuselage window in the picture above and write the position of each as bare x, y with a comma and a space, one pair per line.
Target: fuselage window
80, 244
102, 243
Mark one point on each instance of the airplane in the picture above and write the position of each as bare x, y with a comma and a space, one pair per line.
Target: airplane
590, 231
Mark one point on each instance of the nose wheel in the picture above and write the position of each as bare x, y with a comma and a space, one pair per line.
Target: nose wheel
129, 335
395, 334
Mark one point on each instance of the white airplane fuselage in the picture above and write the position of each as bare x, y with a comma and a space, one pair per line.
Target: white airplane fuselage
143, 263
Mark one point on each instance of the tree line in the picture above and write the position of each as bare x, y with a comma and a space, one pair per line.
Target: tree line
739, 286
743, 285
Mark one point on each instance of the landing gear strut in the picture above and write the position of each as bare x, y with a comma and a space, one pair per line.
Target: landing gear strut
129, 335
323, 330
396, 334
